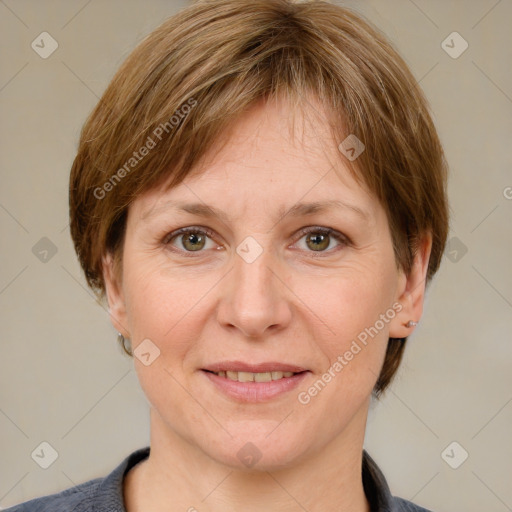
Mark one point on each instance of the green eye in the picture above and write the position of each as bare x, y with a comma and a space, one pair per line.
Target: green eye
194, 239
191, 239
318, 239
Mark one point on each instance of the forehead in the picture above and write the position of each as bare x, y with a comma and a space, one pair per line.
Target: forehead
273, 155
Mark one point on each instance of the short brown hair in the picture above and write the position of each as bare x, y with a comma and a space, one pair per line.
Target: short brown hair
203, 67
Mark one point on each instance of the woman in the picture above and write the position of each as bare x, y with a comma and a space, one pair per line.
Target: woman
260, 197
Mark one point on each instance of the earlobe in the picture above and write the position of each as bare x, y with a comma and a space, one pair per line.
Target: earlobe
115, 295
411, 292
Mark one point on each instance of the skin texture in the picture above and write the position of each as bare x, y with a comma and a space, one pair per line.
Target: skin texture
293, 304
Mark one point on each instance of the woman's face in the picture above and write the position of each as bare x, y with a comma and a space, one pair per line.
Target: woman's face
251, 285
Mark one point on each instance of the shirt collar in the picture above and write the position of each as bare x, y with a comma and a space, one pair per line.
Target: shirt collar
109, 494
375, 486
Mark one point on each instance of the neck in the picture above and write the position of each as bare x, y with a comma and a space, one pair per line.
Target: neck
177, 476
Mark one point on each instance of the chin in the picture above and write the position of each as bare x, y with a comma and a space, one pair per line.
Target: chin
254, 449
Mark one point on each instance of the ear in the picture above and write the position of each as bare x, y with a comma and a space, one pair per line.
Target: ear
411, 291
115, 295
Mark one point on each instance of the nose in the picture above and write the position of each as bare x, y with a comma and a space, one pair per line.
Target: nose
255, 298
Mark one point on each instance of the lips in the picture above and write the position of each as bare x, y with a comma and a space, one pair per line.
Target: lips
258, 382
255, 387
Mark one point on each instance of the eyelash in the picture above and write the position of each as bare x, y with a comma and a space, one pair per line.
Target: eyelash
339, 237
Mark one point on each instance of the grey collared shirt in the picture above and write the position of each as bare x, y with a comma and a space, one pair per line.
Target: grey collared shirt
106, 494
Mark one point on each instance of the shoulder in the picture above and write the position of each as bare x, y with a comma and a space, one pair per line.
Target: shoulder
401, 505
100, 494
75, 499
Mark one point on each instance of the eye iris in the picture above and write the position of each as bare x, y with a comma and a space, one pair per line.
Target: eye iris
323, 239
193, 238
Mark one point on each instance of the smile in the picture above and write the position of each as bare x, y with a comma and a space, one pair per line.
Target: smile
251, 387
254, 377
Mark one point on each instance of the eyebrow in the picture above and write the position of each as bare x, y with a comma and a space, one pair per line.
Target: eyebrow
297, 210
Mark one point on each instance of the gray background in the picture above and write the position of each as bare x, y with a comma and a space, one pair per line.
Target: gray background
63, 378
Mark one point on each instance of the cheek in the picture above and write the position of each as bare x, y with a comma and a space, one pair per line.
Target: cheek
145, 299
356, 300
357, 309
163, 303
161, 309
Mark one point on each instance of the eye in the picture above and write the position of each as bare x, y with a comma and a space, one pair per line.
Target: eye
191, 239
318, 239
195, 239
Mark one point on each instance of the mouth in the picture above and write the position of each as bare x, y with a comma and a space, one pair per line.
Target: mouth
254, 377
254, 383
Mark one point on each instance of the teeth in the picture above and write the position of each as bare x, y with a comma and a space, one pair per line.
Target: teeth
261, 377
245, 377
254, 377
